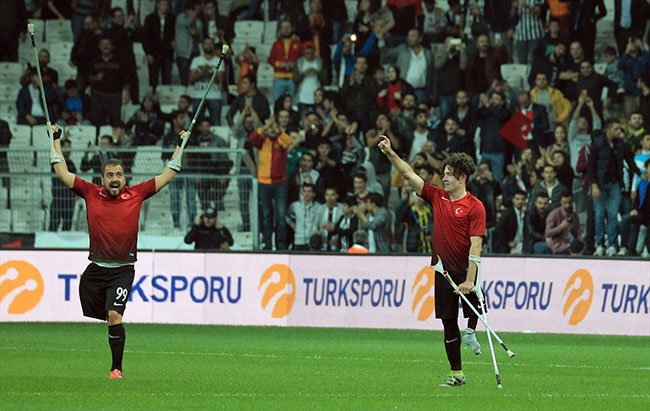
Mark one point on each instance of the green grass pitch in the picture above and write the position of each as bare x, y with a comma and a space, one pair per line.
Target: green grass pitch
66, 366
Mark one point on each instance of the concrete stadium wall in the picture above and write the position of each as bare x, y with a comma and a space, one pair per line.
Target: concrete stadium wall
551, 295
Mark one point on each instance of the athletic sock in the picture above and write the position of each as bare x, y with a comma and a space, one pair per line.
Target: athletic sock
457, 373
116, 339
452, 343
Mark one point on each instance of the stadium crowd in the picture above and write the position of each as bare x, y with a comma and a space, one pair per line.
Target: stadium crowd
562, 146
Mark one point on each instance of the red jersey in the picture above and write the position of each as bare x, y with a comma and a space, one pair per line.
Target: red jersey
454, 222
113, 222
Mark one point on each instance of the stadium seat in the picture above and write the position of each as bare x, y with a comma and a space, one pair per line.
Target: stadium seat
10, 73
265, 76
148, 161
270, 32
128, 110
104, 130
60, 51
65, 72
5, 220
169, 93
8, 112
249, 31
27, 218
516, 75
351, 6
58, 30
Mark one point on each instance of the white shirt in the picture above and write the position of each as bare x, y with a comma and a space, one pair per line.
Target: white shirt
309, 83
201, 86
37, 105
418, 140
417, 72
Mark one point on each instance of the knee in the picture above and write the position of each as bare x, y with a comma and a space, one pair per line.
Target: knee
114, 317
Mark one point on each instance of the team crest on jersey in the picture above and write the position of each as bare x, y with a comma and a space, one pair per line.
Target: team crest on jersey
458, 211
125, 196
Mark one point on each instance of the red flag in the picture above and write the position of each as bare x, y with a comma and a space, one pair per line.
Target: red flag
516, 129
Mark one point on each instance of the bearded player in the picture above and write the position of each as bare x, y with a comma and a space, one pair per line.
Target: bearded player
458, 230
113, 211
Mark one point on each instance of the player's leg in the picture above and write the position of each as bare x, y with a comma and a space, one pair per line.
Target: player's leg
121, 280
472, 320
447, 310
91, 293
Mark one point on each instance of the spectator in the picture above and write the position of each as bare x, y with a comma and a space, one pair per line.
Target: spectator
554, 34
109, 78
557, 106
540, 127
383, 127
635, 131
450, 62
497, 16
404, 118
360, 243
201, 72
390, 94
583, 21
75, 106
559, 12
491, 116
433, 25
273, 145
594, 84
319, 31
359, 93
508, 234
633, 63
449, 141
29, 103
328, 166
248, 64
417, 216
249, 102
81, 9
454, 19
62, 207
183, 105
605, 175
483, 186
552, 64
644, 100
219, 28
331, 213
485, 66
94, 160
144, 126
638, 216
286, 50
535, 226
309, 74
551, 185
158, 43
48, 74
374, 217
463, 113
571, 71
244, 126
511, 184
285, 102
630, 19
361, 187
123, 34
86, 50
305, 174
176, 187
208, 233
188, 36
415, 63
420, 135
304, 217
5, 139
407, 15
341, 238
352, 151
528, 31
345, 55
12, 29
560, 159
562, 226
211, 191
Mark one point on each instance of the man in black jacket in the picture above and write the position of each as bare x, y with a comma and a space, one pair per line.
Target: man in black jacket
208, 233
508, 235
535, 226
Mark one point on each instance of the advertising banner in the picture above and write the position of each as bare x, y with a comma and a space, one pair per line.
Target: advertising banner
580, 296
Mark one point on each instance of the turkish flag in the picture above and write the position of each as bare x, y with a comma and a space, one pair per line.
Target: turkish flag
516, 129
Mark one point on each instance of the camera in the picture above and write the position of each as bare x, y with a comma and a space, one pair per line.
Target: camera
455, 42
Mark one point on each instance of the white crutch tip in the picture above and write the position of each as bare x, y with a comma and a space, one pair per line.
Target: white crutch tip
224, 49
510, 354
30, 28
500, 386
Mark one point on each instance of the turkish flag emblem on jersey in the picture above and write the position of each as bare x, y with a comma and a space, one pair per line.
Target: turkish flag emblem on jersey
516, 129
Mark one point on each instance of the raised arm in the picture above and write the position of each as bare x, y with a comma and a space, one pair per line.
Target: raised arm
401, 166
172, 168
58, 161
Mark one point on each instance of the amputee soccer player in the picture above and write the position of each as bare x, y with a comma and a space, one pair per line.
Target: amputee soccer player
458, 229
113, 211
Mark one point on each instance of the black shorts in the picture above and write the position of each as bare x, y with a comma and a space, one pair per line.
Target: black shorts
102, 289
446, 300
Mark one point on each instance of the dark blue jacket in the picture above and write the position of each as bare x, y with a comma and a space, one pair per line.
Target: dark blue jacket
599, 159
490, 120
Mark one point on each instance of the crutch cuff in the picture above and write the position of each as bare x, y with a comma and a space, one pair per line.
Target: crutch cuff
174, 165
475, 259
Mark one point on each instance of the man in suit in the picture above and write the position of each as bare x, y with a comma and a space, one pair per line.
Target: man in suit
508, 235
158, 43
